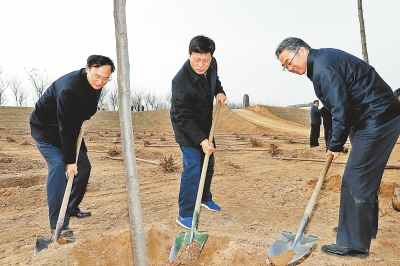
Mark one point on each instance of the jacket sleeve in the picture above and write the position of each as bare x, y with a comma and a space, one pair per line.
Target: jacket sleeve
183, 113
335, 95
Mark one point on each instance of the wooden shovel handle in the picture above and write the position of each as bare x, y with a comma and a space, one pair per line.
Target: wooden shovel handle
67, 192
205, 163
317, 188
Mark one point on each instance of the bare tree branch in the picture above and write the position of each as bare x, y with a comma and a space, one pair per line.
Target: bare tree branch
39, 80
15, 82
22, 97
103, 95
137, 98
113, 96
150, 100
4, 83
167, 99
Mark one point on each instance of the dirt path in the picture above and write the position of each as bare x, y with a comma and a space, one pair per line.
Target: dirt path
272, 122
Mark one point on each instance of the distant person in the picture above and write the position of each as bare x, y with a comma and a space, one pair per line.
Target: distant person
315, 124
327, 122
55, 124
397, 93
193, 90
360, 99
142, 108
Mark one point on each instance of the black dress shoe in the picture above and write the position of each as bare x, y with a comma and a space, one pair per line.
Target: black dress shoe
82, 214
336, 230
337, 250
65, 231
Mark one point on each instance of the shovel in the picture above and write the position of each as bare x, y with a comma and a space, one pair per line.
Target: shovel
288, 248
194, 235
41, 241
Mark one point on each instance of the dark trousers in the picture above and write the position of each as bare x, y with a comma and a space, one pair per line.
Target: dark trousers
192, 164
358, 215
314, 135
57, 181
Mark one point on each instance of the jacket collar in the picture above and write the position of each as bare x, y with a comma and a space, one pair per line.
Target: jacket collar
310, 63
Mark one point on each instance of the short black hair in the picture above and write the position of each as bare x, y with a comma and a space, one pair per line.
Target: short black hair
100, 60
397, 92
202, 45
315, 101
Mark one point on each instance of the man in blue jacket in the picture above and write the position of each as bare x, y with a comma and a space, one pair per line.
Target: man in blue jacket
193, 90
360, 99
55, 124
315, 124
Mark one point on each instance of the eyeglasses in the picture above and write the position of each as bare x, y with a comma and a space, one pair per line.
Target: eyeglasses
98, 77
286, 66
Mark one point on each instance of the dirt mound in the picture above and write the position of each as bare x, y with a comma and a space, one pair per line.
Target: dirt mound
116, 249
229, 122
295, 115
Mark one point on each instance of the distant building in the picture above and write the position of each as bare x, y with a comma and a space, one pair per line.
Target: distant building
300, 105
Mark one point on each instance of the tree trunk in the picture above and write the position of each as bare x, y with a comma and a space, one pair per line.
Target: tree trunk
362, 32
128, 149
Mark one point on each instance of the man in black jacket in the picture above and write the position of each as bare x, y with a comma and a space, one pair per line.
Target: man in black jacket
359, 99
315, 124
193, 90
327, 121
55, 124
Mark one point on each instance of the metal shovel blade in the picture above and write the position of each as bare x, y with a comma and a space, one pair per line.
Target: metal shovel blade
42, 243
185, 238
284, 242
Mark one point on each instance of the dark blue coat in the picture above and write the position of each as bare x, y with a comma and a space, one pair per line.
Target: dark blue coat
61, 110
352, 91
191, 105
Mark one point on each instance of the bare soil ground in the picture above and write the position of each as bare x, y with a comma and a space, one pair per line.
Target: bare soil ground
260, 194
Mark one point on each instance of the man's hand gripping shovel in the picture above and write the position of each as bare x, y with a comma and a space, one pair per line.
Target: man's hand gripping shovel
194, 239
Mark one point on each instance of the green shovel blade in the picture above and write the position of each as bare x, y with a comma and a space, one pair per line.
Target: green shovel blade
184, 238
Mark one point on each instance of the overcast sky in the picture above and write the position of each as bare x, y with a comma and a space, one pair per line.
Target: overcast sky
58, 36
